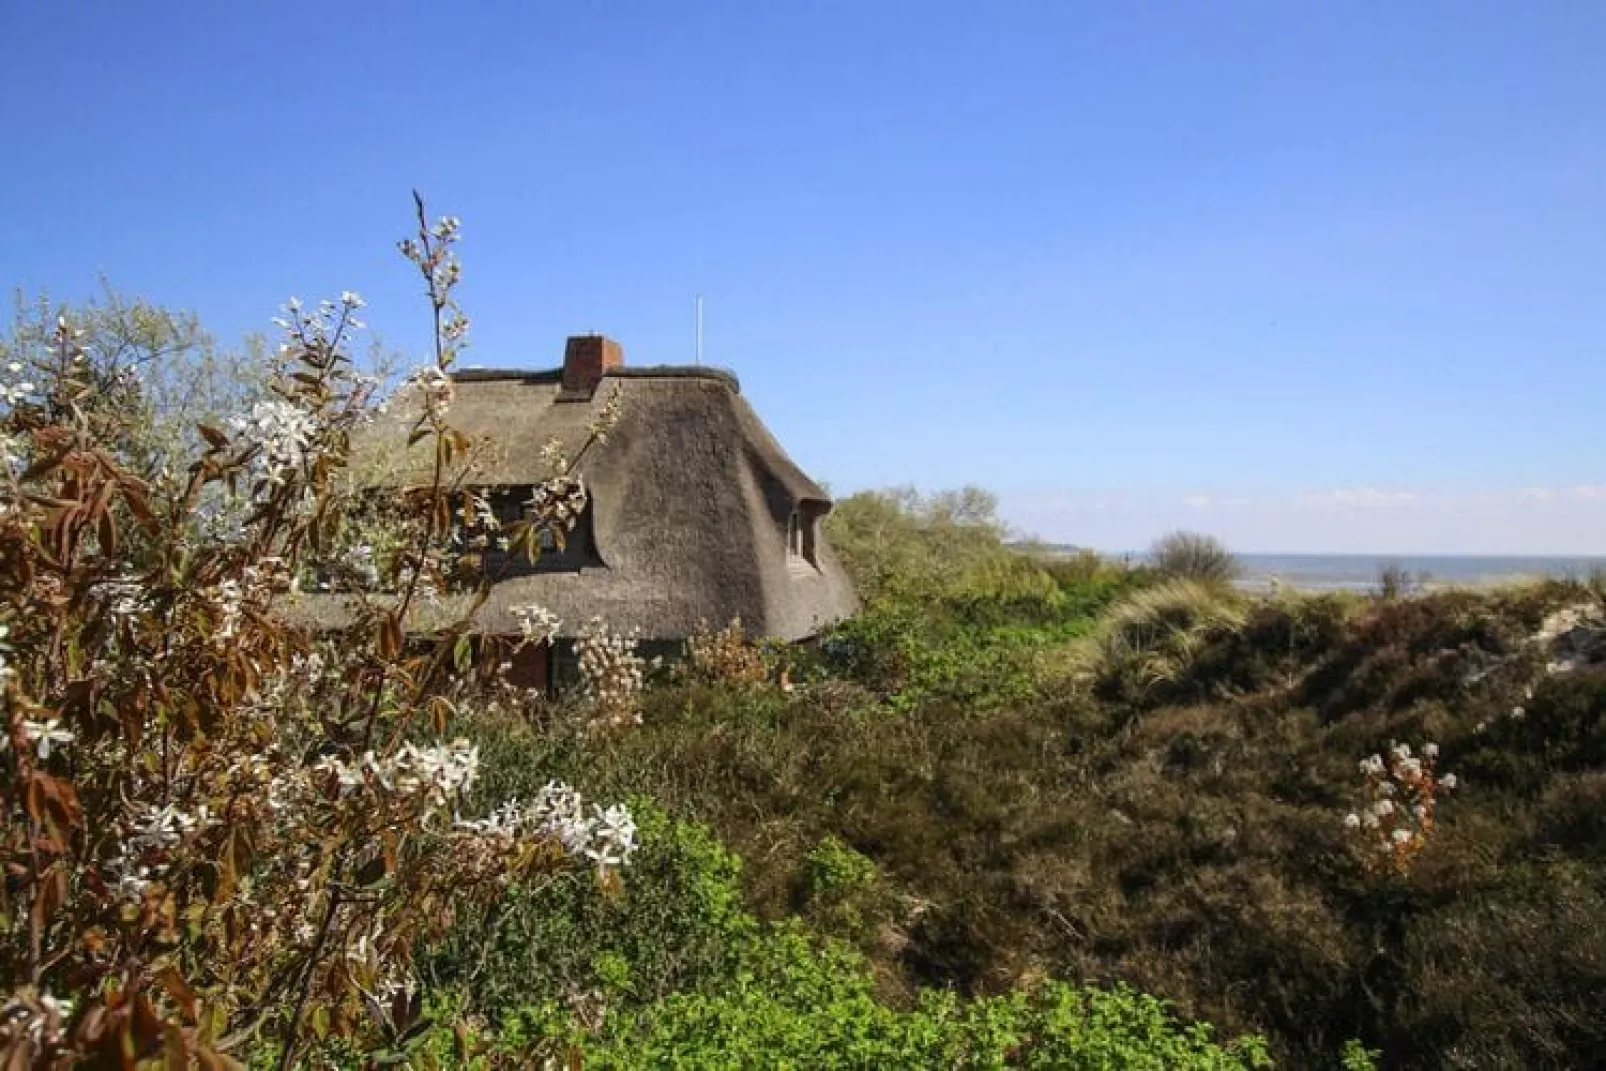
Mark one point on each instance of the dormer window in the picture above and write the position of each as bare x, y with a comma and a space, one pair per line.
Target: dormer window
800, 536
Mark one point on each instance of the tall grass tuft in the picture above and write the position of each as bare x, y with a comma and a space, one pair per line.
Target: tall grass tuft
1153, 636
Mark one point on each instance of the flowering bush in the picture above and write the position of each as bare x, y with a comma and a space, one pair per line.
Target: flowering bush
611, 674
1399, 800
219, 836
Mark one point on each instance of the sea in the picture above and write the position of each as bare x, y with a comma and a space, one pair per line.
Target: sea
1359, 572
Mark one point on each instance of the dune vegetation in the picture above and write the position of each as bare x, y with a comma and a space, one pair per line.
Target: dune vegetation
1021, 810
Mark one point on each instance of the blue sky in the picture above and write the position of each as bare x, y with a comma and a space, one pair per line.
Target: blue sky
1309, 276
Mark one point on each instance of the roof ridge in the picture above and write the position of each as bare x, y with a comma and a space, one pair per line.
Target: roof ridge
555, 375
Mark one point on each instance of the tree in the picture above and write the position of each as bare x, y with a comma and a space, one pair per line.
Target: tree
1192, 556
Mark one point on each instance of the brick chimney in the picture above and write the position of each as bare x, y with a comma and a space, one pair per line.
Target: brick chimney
585, 359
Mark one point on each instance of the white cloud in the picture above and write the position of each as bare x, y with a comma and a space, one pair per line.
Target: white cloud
1353, 498
1197, 501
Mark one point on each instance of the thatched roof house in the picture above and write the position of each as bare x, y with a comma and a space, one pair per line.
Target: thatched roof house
696, 515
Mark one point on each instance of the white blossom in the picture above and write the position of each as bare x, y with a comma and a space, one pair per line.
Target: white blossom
433, 776
282, 431
558, 501
40, 1019
537, 624
613, 839
44, 735
14, 393
163, 827
604, 835
603, 424
611, 671
434, 387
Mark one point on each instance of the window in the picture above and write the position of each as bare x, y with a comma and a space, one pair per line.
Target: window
800, 536
579, 549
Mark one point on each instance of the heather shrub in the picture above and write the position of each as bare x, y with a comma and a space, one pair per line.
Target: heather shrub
1188, 839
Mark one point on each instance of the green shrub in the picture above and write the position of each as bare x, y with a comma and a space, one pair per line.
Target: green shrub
795, 1003
836, 870
675, 925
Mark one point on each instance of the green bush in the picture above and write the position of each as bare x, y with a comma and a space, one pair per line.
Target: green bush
793, 1002
675, 925
800, 1007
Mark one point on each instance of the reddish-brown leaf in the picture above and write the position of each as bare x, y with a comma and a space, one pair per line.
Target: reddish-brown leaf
180, 991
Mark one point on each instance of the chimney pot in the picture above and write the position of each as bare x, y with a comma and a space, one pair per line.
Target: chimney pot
586, 359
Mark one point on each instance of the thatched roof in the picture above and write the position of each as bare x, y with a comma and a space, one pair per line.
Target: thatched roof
690, 500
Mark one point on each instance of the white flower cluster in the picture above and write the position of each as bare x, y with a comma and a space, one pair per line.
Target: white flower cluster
13, 456
151, 826
554, 457
558, 501
424, 586
484, 516
1400, 802
360, 560
282, 431
441, 266
150, 833
607, 417
15, 391
122, 598
604, 835
434, 388
537, 624
229, 598
322, 327
40, 1020
610, 670
435, 775
480, 527
44, 736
